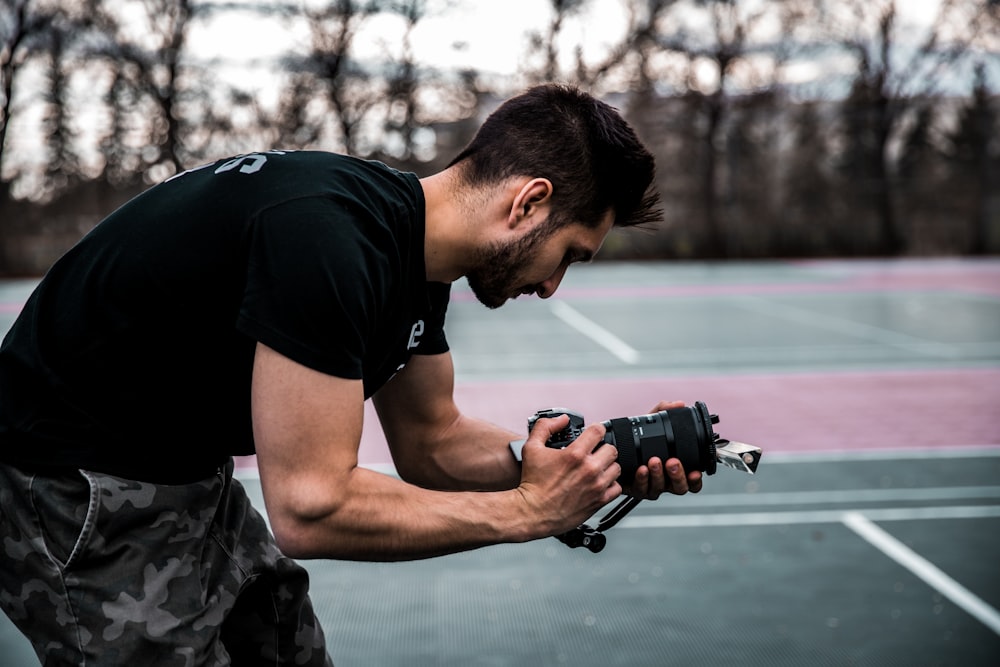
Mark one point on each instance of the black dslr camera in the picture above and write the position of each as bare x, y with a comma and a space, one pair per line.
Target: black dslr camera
684, 433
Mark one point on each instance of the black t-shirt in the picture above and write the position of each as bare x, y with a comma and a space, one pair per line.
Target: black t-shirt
134, 354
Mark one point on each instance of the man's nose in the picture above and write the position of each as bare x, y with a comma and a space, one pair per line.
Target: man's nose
549, 286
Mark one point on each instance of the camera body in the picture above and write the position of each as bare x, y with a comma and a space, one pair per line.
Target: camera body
567, 435
684, 433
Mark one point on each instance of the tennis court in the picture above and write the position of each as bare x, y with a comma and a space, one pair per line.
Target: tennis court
869, 536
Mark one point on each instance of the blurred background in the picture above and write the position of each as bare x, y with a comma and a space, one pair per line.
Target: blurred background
793, 128
848, 129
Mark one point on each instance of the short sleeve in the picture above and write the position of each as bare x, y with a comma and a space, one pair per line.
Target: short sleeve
312, 285
434, 340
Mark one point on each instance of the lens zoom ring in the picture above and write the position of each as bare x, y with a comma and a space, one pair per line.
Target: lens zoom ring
625, 442
688, 443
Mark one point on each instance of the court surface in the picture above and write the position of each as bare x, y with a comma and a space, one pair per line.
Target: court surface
869, 536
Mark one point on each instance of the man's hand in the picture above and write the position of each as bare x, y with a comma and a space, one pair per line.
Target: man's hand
664, 476
565, 487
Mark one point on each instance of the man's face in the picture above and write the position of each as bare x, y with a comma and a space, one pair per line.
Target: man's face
534, 263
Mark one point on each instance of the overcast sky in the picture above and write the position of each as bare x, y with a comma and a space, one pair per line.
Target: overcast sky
486, 35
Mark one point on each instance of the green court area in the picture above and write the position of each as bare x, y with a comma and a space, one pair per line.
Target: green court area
869, 536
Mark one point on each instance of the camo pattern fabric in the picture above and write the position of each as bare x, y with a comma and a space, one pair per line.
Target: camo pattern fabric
100, 570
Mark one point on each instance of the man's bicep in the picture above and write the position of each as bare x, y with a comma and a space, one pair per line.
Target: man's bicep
419, 402
307, 426
432, 444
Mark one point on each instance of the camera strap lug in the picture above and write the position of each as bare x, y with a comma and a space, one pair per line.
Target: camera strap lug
593, 538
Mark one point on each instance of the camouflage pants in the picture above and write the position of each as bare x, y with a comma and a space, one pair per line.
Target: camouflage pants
99, 570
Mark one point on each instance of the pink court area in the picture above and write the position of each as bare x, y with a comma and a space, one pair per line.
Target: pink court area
792, 413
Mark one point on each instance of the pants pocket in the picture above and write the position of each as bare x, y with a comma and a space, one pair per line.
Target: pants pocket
66, 507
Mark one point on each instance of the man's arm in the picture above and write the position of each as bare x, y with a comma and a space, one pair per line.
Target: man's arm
307, 427
432, 443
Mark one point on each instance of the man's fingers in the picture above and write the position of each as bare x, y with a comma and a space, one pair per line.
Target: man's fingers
694, 482
591, 441
612, 492
667, 405
547, 427
679, 482
676, 479
657, 481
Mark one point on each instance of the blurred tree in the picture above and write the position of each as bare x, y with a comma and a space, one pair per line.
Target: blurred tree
870, 112
24, 30
545, 43
898, 72
920, 177
917, 151
147, 55
748, 189
402, 122
370, 106
810, 206
974, 163
330, 87
63, 164
121, 91
720, 49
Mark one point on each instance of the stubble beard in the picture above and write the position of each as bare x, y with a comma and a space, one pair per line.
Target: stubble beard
499, 267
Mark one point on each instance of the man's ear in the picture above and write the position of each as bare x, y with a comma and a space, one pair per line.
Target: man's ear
534, 195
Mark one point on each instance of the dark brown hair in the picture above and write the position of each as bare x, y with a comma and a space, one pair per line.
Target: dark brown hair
583, 146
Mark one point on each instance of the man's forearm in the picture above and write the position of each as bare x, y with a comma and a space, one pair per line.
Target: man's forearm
468, 455
380, 518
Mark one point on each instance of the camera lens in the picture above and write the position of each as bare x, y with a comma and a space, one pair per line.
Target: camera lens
683, 433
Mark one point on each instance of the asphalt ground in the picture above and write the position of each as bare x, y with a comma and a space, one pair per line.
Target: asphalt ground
869, 536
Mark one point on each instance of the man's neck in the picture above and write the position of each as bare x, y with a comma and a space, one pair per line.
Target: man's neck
450, 226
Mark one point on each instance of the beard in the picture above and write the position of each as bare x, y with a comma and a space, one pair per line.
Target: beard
498, 268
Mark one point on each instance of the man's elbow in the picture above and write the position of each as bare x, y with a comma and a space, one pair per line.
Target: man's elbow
303, 522
295, 537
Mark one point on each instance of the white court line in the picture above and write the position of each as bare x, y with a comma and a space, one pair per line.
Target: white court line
594, 331
860, 523
924, 569
926, 494
733, 519
966, 451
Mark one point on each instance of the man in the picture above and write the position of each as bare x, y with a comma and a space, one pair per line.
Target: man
252, 305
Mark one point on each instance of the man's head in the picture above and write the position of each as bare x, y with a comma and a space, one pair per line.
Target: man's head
577, 168
533, 263
591, 156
